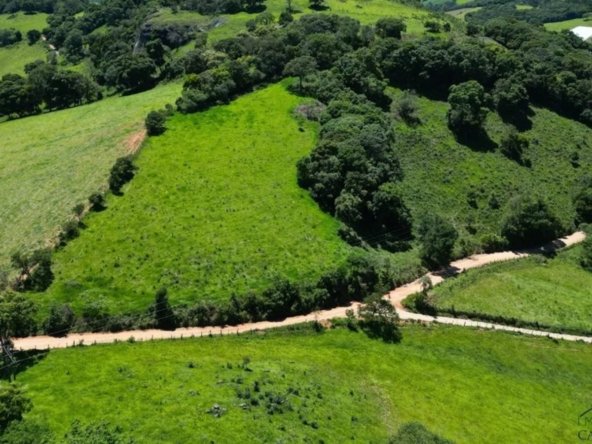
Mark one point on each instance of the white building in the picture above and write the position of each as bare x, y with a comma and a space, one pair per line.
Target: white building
583, 32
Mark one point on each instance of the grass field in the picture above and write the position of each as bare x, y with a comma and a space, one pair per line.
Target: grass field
14, 58
214, 210
441, 174
366, 11
555, 292
568, 24
54, 161
469, 386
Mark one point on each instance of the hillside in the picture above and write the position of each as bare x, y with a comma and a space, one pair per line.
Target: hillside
461, 182
13, 58
54, 161
214, 210
465, 385
553, 292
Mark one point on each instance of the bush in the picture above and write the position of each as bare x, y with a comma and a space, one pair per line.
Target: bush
530, 222
34, 270
437, 237
513, 146
60, 321
33, 36
13, 404
586, 256
155, 123
97, 202
416, 433
96, 433
378, 319
121, 173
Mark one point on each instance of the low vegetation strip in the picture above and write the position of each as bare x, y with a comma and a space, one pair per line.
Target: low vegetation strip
217, 388
52, 162
214, 210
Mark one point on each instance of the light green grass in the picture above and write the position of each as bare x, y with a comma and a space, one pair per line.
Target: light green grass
520, 7
214, 210
24, 22
568, 24
461, 13
469, 386
53, 161
555, 292
440, 173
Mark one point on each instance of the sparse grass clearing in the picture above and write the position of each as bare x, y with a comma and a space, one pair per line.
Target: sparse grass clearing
54, 161
461, 13
466, 385
555, 292
24, 22
13, 58
214, 210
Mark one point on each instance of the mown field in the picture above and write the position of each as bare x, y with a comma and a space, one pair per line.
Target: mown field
466, 385
554, 292
459, 181
54, 161
568, 24
214, 210
14, 58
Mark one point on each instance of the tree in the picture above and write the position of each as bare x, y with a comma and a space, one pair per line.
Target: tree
300, 67
530, 222
13, 404
17, 318
73, 45
60, 320
155, 123
437, 237
97, 202
33, 36
510, 98
513, 146
121, 173
378, 318
467, 102
390, 27
34, 270
432, 26
162, 311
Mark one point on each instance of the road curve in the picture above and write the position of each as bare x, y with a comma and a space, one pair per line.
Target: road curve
396, 297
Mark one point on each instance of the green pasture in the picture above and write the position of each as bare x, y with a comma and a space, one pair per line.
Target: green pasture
554, 292
568, 24
214, 210
338, 386
54, 161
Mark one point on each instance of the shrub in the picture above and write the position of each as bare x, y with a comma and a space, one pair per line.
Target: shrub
34, 270
437, 237
583, 202
60, 320
586, 256
467, 101
513, 146
416, 433
121, 173
97, 433
390, 27
97, 202
378, 319
33, 36
155, 123
529, 222
13, 404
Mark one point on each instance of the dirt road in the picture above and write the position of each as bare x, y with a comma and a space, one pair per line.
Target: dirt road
396, 297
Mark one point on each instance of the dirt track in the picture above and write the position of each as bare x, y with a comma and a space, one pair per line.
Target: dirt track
396, 297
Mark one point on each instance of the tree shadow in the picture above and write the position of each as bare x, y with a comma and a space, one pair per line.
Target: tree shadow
476, 139
23, 361
319, 7
521, 121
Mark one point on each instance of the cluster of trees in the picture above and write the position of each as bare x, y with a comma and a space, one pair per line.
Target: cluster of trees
29, 6
9, 37
44, 86
213, 7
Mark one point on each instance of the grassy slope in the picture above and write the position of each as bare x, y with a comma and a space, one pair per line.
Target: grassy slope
568, 24
366, 11
214, 209
439, 172
14, 58
53, 161
470, 386
556, 293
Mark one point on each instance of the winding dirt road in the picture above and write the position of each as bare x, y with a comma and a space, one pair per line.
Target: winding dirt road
396, 297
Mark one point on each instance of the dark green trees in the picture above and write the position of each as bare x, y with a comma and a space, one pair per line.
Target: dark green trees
155, 123
13, 404
300, 67
467, 107
437, 237
390, 27
530, 222
121, 173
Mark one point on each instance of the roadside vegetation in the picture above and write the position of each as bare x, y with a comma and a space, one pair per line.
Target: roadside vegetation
482, 386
